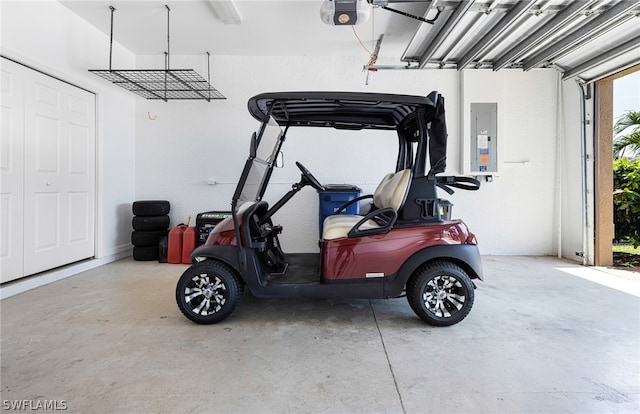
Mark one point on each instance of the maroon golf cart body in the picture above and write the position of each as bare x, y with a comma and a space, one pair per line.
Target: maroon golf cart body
406, 242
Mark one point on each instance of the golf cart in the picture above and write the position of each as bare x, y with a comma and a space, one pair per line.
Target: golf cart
406, 244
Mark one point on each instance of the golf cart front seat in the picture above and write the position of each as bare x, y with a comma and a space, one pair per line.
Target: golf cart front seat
388, 198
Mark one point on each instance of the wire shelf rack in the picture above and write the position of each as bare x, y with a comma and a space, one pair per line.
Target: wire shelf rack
163, 84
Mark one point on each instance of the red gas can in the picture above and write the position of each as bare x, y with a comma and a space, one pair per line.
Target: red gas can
174, 248
188, 244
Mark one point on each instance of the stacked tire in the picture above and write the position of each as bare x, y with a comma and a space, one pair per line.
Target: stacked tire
150, 225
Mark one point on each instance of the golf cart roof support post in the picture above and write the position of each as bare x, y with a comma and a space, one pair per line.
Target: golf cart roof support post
437, 137
405, 155
265, 121
419, 167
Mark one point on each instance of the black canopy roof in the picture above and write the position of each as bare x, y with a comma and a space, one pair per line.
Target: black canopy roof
342, 110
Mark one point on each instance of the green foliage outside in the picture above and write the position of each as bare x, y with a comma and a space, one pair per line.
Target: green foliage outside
626, 185
626, 256
627, 135
627, 249
626, 200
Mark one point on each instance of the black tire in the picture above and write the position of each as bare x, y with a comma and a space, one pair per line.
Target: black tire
147, 238
163, 246
208, 291
440, 293
145, 253
150, 223
150, 208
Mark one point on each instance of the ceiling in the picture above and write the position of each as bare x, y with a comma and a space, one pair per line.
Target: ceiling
588, 39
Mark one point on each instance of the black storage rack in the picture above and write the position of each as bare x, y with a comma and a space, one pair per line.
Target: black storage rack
163, 84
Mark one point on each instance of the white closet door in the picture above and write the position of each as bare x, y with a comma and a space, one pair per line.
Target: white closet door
59, 173
11, 170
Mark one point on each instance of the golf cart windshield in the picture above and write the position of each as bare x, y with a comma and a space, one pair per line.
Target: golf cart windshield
265, 147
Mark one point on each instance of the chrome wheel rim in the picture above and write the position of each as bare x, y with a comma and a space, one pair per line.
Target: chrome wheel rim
444, 296
205, 295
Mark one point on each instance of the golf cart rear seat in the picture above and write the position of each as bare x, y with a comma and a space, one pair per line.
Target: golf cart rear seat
388, 198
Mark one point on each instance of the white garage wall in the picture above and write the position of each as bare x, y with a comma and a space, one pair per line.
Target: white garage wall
48, 37
190, 142
515, 213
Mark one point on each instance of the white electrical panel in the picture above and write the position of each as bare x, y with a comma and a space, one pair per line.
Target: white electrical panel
484, 138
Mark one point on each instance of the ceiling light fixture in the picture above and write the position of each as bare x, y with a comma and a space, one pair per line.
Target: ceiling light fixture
225, 10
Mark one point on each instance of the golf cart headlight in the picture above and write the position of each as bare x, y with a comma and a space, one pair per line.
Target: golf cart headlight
344, 12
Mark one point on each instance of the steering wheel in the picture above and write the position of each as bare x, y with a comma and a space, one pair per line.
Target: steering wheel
313, 181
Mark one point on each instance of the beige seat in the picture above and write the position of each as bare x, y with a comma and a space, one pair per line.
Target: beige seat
390, 193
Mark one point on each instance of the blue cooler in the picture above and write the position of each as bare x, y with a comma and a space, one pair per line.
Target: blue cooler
335, 196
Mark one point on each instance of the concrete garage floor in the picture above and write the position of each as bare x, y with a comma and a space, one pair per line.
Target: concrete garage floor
539, 339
